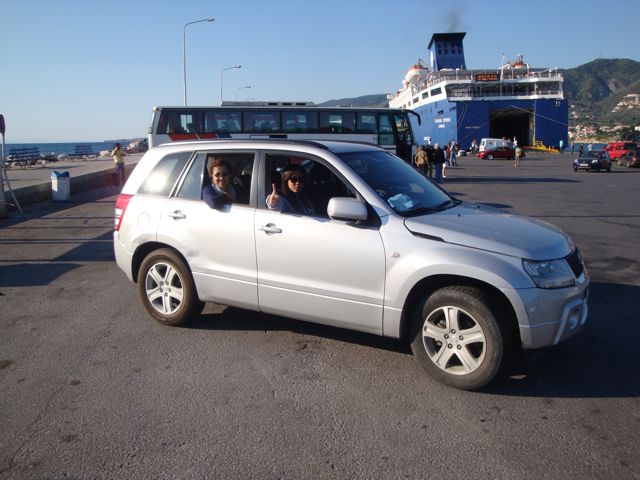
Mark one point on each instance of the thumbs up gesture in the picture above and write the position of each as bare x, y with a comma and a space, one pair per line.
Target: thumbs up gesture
272, 199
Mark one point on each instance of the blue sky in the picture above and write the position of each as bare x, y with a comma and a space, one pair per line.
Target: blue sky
91, 71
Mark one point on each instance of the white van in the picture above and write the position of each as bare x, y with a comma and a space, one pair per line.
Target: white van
491, 143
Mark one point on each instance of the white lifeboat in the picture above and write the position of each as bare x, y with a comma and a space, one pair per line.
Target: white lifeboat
415, 73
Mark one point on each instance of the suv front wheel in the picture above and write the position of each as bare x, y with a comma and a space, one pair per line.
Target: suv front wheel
166, 288
458, 339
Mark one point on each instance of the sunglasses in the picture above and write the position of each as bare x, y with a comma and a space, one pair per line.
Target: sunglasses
295, 179
220, 174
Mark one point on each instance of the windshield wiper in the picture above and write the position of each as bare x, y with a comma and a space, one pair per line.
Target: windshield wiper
422, 210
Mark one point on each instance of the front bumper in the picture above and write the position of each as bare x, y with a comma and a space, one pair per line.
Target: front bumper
548, 317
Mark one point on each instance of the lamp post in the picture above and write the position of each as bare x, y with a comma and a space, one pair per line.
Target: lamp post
241, 88
184, 51
221, 78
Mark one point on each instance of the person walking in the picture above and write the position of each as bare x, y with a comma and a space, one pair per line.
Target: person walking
439, 162
561, 145
580, 150
573, 144
118, 158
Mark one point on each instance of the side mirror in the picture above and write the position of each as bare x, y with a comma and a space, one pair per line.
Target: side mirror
347, 209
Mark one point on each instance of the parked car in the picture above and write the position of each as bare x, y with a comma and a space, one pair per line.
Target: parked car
499, 152
631, 160
378, 248
593, 160
620, 149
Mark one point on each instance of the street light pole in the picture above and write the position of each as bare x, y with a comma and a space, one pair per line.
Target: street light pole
241, 88
221, 78
184, 52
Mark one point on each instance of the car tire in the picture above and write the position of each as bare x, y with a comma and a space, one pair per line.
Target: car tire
575, 169
628, 164
609, 168
441, 322
166, 288
489, 157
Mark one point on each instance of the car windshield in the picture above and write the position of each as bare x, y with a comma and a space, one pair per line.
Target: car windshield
403, 188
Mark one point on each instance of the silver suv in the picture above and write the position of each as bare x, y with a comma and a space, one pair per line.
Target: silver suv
363, 241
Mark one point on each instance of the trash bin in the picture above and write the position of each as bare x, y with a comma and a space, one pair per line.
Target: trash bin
60, 186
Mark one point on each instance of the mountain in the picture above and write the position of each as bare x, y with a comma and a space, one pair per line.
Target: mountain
377, 100
595, 88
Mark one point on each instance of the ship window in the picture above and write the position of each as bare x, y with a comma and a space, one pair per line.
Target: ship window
436, 91
415, 100
425, 94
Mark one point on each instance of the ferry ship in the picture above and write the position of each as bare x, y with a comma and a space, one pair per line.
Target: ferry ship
456, 104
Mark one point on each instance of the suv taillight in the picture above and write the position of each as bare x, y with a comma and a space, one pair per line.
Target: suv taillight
121, 205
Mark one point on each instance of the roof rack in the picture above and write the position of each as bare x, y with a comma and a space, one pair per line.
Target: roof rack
312, 143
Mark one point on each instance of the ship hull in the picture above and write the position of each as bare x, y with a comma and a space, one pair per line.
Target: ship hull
529, 120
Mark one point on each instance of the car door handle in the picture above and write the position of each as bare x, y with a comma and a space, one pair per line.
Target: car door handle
269, 228
177, 215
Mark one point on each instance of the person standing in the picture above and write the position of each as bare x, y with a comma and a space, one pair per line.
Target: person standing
420, 159
518, 153
453, 155
580, 150
573, 144
430, 164
590, 147
561, 145
118, 158
439, 162
515, 142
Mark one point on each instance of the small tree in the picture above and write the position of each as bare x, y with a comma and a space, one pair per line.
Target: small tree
629, 134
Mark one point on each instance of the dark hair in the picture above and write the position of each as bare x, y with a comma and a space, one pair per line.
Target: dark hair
287, 173
219, 163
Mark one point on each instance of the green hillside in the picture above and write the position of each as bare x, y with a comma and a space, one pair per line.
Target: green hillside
596, 87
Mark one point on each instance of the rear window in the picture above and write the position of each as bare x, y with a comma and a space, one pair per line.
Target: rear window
164, 175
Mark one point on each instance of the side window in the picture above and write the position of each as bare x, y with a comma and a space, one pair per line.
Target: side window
180, 122
306, 122
191, 187
221, 121
367, 123
164, 175
316, 184
227, 172
256, 122
386, 136
337, 122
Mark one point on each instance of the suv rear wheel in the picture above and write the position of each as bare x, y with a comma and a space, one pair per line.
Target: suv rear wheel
166, 288
458, 339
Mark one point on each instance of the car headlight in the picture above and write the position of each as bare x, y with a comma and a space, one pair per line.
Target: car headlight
549, 273
594, 161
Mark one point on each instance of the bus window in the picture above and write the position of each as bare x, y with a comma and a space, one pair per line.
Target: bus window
386, 135
180, 122
255, 121
337, 122
300, 122
222, 121
367, 123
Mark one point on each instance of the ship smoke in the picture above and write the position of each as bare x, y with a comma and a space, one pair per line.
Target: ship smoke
453, 18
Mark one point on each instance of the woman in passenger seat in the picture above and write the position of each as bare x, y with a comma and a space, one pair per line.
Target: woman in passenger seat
292, 198
221, 191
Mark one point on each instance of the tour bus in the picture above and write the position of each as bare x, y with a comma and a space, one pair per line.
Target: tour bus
388, 128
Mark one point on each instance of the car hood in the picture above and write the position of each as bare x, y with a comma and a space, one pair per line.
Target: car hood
488, 228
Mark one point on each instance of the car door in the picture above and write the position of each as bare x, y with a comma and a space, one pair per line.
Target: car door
314, 268
218, 244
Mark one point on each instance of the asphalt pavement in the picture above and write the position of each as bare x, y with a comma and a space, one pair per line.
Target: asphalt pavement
92, 387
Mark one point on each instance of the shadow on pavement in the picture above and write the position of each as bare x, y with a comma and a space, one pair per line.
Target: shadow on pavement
32, 274
601, 361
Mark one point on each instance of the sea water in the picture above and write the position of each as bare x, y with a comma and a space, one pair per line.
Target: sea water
64, 148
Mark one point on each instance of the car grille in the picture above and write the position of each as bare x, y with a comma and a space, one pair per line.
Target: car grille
575, 263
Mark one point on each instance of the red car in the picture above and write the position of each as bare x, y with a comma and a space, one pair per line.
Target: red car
499, 152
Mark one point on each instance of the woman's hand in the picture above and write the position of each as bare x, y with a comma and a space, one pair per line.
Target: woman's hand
272, 199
